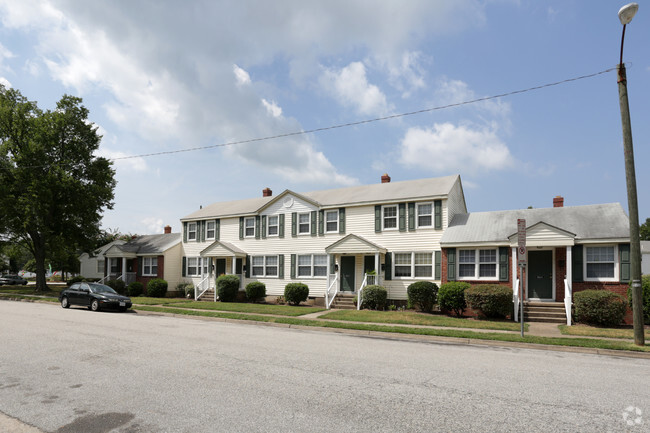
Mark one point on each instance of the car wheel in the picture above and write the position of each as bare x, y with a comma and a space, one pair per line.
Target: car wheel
94, 305
64, 302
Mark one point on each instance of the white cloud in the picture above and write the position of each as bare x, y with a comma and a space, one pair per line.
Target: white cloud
405, 72
449, 148
123, 160
273, 109
153, 225
350, 87
241, 76
456, 91
5, 82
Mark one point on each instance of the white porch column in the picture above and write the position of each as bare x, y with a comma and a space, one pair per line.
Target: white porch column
377, 273
569, 266
124, 269
233, 265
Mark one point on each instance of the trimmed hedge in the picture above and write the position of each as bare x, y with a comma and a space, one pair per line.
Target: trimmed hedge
423, 295
295, 293
493, 300
227, 288
451, 297
374, 297
157, 288
599, 307
255, 290
118, 285
645, 296
135, 289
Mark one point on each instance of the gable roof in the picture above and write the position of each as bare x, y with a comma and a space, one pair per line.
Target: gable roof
146, 245
102, 250
408, 190
591, 222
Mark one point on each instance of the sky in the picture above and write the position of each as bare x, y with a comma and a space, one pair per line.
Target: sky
162, 76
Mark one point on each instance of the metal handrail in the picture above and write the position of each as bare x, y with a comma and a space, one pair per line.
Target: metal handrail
568, 301
328, 300
515, 298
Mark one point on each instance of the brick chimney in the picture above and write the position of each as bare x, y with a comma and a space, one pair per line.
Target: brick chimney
168, 229
558, 201
385, 178
266, 192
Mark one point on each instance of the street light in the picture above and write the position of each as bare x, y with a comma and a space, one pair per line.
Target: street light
625, 14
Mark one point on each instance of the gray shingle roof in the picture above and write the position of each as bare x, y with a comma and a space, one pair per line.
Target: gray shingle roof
150, 244
355, 195
601, 221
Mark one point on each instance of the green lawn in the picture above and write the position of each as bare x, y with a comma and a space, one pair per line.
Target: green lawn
30, 290
143, 300
593, 331
412, 318
32, 298
239, 307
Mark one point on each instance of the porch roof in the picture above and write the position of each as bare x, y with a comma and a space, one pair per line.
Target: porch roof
353, 244
221, 248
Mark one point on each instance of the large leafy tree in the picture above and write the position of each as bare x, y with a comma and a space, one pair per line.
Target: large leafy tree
53, 188
644, 230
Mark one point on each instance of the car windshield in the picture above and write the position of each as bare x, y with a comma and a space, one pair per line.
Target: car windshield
100, 288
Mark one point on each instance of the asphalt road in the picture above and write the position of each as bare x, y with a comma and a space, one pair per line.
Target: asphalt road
79, 371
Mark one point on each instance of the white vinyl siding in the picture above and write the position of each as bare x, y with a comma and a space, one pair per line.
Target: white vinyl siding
600, 263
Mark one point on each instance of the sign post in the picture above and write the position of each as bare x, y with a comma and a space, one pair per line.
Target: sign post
521, 260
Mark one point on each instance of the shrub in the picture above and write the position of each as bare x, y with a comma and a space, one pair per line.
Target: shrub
255, 290
451, 297
135, 289
645, 296
157, 288
73, 280
599, 307
118, 285
423, 295
280, 300
227, 288
374, 297
186, 289
295, 293
492, 300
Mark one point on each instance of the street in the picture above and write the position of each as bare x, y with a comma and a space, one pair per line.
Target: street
78, 371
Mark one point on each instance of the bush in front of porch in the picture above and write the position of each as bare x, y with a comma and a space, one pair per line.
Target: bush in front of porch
255, 290
374, 297
423, 295
451, 297
227, 288
295, 293
599, 307
492, 300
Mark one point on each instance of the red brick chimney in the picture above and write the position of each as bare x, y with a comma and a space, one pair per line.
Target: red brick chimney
558, 201
385, 178
168, 229
266, 192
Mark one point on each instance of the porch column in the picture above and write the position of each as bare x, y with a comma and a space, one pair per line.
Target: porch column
124, 269
377, 273
233, 265
569, 268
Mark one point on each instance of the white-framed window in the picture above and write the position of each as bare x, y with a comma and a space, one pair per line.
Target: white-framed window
600, 263
423, 265
332, 221
210, 229
312, 265
272, 225
389, 217
205, 263
424, 214
115, 265
249, 227
100, 266
264, 266
193, 266
149, 266
304, 223
191, 231
413, 265
479, 264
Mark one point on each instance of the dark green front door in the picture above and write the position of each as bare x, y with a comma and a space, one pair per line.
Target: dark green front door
221, 267
347, 273
540, 274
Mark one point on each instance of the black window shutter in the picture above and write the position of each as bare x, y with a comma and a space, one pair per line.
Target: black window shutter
451, 264
411, 207
184, 270
241, 227
281, 224
294, 222
624, 253
402, 217
263, 226
504, 271
139, 268
293, 266
185, 232
281, 266
248, 266
321, 222
313, 222
437, 261
217, 229
576, 263
377, 218
437, 214
342, 220
257, 226
388, 266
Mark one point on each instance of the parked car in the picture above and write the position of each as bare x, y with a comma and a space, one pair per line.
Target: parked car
12, 280
94, 296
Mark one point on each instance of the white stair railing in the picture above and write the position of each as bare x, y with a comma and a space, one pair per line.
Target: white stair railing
515, 298
568, 301
202, 287
332, 290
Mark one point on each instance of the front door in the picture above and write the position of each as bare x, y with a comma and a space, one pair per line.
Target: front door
347, 273
540, 274
221, 267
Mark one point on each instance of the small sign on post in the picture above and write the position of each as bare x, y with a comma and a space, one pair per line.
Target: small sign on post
521, 259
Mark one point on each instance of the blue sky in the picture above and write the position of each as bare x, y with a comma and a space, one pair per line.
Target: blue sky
161, 76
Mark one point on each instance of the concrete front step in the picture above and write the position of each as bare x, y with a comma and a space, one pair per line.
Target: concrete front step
344, 302
548, 312
208, 296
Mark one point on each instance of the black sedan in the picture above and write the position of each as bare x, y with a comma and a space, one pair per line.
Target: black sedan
12, 280
94, 296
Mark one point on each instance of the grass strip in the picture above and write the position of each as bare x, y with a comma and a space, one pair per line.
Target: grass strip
592, 331
29, 290
411, 318
144, 300
27, 297
573, 342
238, 307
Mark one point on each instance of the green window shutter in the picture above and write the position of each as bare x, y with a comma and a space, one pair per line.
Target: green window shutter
451, 264
281, 266
139, 268
183, 271
263, 226
402, 217
294, 224
388, 265
185, 232
321, 222
504, 270
241, 227
332, 263
437, 261
624, 253
342, 220
377, 218
217, 229
281, 225
437, 214
411, 216
293, 266
257, 226
248, 266
201, 235
576, 262
313, 222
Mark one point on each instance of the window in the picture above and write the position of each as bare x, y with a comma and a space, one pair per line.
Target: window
478, 264
425, 214
312, 265
272, 225
100, 266
150, 266
600, 263
193, 266
487, 267
466, 265
390, 217
210, 229
413, 265
191, 232
332, 221
115, 265
249, 227
403, 264
423, 265
303, 223
264, 266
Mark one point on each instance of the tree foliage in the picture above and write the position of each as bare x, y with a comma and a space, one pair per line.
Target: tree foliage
53, 187
644, 230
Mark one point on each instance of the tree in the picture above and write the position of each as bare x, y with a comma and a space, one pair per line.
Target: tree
644, 230
52, 186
